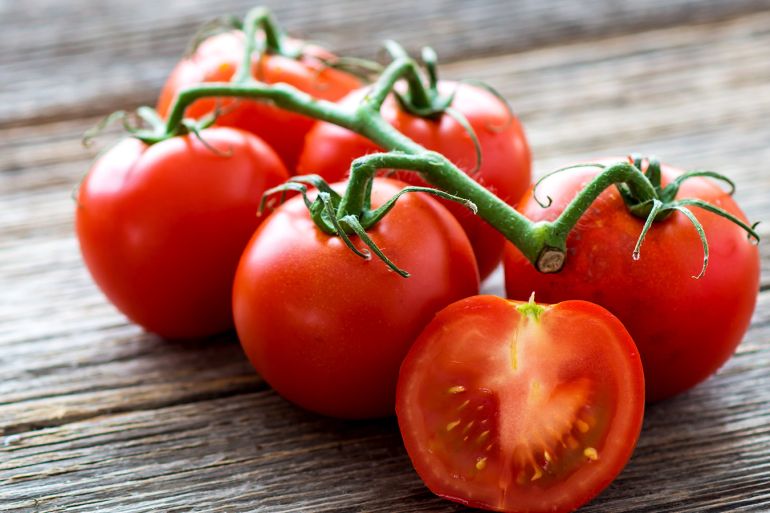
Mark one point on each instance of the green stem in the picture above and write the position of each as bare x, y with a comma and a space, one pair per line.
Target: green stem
542, 243
430, 59
439, 171
257, 18
622, 172
362, 171
404, 67
282, 95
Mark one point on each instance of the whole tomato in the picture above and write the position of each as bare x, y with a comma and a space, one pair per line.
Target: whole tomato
505, 155
328, 329
685, 328
162, 227
216, 60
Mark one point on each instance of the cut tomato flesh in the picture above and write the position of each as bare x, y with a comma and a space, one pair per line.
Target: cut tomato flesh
520, 412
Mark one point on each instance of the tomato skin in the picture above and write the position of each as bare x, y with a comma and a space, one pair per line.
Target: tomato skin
685, 328
161, 227
506, 160
328, 329
501, 411
216, 60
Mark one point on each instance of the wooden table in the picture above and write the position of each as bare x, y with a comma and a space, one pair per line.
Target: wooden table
96, 415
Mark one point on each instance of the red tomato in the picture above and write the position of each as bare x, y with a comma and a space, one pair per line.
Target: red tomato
506, 161
162, 227
520, 407
216, 60
327, 329
685, 328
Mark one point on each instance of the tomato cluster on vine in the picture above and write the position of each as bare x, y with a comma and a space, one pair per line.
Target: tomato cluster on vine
360, 298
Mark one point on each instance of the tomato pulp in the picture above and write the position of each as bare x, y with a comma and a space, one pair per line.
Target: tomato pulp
505, 156
328, 329
519, 407
162, 227
216, 60
685, 328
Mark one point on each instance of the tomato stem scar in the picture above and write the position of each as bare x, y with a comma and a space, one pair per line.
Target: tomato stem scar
530, 309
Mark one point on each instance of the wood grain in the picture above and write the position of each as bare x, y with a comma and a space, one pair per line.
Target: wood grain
97, 416
62, 59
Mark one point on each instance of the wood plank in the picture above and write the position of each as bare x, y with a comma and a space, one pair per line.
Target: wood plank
95, 415
634, 94
90, 57
253, 448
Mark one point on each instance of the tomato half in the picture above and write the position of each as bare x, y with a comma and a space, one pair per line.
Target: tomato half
216, 60
162, 227
685, 328
519, 407
328, 329
505, 165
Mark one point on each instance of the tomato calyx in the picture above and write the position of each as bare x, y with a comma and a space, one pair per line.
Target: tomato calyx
270, 39
647, 199
146, 125
650, 166
273, 41
665, 204
423, 99
262, 36
351, 214
531, 309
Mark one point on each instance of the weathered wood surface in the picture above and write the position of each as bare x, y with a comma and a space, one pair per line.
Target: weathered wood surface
97, 416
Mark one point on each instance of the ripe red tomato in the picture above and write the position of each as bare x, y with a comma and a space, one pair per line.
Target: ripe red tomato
162, 227
216, 60
685, 328
521, 407
327, 329
505, 167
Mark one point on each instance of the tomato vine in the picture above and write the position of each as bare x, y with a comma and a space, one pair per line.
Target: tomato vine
542, 243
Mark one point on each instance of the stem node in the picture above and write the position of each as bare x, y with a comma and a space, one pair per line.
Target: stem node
550, 260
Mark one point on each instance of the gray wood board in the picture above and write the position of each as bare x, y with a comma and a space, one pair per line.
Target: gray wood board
59, 59
97, 416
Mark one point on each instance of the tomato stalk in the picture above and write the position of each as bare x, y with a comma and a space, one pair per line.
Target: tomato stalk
352, 214
542, 243
644, 197
261, 18
420, 97
366, 120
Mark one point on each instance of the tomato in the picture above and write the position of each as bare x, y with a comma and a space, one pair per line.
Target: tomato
521, 407
328, 329
505, 165
162, 227
685, 328
216, 60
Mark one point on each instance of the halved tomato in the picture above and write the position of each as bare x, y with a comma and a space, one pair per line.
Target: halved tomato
520, 407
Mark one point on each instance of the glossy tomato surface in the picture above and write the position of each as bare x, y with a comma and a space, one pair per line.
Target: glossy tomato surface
505, 167
685, 328
328, 329
216, 60
162, 227
519, 407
